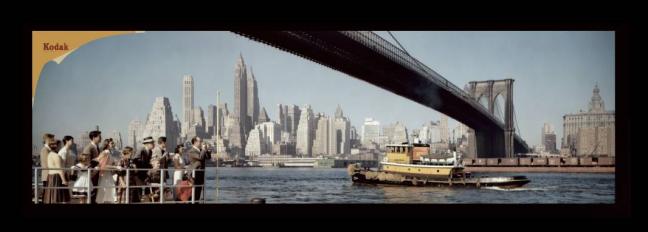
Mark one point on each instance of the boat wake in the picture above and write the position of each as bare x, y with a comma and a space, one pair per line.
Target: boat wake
517, 189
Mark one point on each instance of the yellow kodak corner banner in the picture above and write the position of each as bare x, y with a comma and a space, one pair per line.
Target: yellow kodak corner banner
56, 45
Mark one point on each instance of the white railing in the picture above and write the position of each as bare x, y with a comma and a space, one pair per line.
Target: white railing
37, 185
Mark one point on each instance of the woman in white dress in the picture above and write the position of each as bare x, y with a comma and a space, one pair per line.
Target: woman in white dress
106, 192
178, 165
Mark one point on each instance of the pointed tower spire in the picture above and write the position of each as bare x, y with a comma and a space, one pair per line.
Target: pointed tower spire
263, 117
338, 112
596, 103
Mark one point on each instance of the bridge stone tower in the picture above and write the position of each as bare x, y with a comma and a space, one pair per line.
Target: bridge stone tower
490, 90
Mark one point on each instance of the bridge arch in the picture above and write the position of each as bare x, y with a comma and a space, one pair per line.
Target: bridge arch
500, 93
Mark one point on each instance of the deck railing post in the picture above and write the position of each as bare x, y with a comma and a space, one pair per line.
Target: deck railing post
127, 185
161, 185
88, 188
193, 186
36, 185
204, 192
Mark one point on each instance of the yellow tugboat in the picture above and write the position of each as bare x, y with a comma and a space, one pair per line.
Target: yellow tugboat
409, 164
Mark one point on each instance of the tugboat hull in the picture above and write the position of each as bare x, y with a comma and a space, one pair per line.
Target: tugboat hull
390, 178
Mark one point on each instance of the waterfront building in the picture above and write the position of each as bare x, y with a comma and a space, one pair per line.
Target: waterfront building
591, 132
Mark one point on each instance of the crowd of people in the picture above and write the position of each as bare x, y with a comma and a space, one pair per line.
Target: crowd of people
108, 171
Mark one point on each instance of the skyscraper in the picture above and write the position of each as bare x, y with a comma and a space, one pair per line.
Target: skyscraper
322, 136
339, 133
187, 103
240, 100
460, 131
160, 122
263, 116
262, 138
305, 132
548, 138
83, 140
430, 133
443, 129
233, 134
370, 132
253, 101
117, 139
289, 118
255, 143
211, 120
135, 131
396, 133
198, 127
223, 114
270, 131
355, 138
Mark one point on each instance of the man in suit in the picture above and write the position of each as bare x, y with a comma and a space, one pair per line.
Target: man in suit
143, 160
198, 154
160, 157
93, 149
47, 139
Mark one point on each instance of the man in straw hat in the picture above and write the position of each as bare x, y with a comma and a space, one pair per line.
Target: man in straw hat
143, 160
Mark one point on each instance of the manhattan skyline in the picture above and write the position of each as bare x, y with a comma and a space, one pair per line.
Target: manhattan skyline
118, 78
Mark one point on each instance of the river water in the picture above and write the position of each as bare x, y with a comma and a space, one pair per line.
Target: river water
332, 185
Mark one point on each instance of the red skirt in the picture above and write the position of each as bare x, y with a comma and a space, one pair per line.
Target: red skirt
53, 196
183, 190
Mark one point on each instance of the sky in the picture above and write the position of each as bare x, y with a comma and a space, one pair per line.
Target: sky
111, 81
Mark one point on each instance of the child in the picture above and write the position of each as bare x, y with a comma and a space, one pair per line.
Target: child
80, 171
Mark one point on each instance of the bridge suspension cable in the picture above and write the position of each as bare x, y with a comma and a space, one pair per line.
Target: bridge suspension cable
407, 53
399, 44
426, 71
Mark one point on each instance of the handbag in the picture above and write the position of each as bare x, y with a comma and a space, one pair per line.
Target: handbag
72, 175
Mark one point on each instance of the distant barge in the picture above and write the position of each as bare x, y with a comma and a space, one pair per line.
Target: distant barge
406, 164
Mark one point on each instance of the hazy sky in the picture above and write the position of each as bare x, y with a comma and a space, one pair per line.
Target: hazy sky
111, 81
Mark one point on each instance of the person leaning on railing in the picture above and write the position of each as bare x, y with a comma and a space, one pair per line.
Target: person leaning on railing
125, 163
106, 192
82, 180
142, 160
